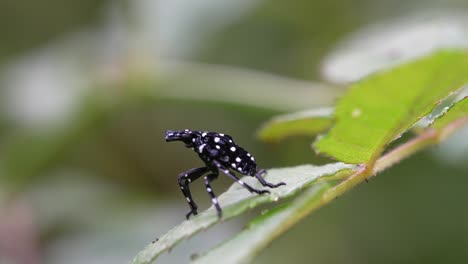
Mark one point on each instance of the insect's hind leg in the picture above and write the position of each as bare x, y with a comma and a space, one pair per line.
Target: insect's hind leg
185, 179
235, 178
262, 180
208, 179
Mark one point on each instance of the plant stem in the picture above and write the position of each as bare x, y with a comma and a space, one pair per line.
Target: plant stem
426, 139
405, 150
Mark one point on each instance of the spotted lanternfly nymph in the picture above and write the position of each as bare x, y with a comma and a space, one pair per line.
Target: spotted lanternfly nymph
218, 152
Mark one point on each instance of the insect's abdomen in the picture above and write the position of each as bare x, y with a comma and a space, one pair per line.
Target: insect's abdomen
229, 153
242, 161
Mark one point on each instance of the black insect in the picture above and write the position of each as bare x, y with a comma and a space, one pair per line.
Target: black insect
218, 152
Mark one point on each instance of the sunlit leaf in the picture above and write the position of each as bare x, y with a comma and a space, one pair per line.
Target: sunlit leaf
380, 108
308, 123
237, 200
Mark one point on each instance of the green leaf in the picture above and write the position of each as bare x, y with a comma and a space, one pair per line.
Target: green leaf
310, 122
457, 113
380, 108
263, 229
237, 200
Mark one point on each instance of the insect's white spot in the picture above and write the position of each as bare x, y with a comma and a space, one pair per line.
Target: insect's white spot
193, 140
216, 139
214, 200
209, 190
233, 149
252, 158
203, 134
188, 199
186, 130
241, 182
356, 112
248, 154
233, 165
185, 175
218, 147
238, 159
226, 171
189, 180
221, 135
239, 169
200, 148
230, 141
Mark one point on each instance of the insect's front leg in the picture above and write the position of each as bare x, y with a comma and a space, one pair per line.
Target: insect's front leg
208, 179
235, 178
185, 179
262, 180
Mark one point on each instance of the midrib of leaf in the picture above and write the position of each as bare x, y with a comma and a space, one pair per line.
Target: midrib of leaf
236, 200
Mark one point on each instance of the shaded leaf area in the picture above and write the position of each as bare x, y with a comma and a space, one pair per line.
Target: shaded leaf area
263, 229
309, 123
380, 108
457, 113
236, 200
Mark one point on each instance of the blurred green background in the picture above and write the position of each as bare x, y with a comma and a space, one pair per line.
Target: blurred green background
87, 89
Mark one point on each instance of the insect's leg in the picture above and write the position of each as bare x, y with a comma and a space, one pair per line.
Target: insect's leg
234, 177
259, 175
185, 179
209, 178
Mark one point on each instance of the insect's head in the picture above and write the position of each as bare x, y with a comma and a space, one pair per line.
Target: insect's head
185, 136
